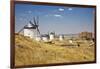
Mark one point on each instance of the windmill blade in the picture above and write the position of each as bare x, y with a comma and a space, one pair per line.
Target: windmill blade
21, 29
37, 20
38, 30
34, 21
31, 23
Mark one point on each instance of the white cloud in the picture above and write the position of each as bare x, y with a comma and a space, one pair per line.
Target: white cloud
70, 9
61, 9
57, 15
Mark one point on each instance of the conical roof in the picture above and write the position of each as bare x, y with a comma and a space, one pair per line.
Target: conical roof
30, 26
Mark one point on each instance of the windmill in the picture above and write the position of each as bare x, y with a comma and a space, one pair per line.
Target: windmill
31, 29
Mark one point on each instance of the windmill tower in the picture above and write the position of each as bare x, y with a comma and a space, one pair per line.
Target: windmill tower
61, 37
52, 36
31, 29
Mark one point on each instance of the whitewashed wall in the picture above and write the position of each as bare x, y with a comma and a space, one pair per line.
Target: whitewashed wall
30, 33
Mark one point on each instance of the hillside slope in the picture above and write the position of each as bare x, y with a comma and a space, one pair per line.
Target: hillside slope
29, 52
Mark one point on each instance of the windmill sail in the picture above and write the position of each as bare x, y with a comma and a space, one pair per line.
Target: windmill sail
34, 21
21, 29
38, 30
37, 20
34, 25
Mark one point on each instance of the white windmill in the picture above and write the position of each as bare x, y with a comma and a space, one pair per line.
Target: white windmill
61, 37
52, 36
31, 29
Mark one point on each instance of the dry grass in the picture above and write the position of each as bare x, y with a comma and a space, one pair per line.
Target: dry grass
28, 52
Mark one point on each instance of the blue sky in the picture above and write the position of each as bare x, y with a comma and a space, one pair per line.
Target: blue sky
59, 19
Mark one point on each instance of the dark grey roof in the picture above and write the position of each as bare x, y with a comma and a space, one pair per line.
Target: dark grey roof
45, 35
26, 27
33, 26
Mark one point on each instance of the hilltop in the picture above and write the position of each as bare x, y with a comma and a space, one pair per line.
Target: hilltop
31, 52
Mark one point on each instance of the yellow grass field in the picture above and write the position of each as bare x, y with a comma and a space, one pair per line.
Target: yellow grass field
31, 52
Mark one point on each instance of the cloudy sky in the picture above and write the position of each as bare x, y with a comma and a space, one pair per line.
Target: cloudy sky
59, 19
